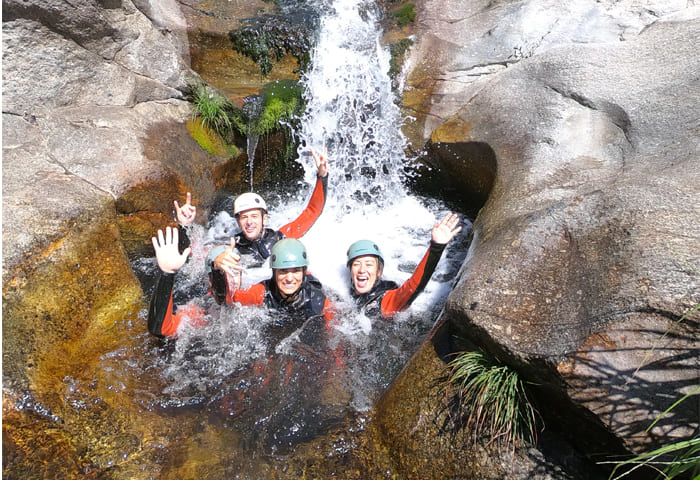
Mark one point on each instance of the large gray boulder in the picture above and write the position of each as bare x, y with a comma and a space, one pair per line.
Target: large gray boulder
82, 85
94, 149
459, 46
583, 267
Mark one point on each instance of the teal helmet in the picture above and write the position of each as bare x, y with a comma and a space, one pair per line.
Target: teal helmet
364, 247
288, 253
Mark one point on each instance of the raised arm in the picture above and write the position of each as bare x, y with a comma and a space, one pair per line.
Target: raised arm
401, 298
184, 215
161, 320
308, 217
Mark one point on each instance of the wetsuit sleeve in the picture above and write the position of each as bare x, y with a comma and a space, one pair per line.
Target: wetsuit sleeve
400, 298
218, 285
329, 313
254, 295
305, 221
161, 321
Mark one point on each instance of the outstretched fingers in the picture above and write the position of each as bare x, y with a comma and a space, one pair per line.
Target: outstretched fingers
446, 229
321, 161
165, 245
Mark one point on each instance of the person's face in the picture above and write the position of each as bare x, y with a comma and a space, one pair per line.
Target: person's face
289, 280
251, 223
364, 272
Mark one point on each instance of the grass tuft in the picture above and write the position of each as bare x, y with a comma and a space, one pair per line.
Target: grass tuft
492, 400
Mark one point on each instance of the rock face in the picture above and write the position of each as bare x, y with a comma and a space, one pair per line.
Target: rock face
93, 115
583, 268
579, 119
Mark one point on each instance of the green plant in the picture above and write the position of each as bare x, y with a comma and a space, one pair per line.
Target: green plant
282, 103
212, 108
492, 399
405, 14
671, 460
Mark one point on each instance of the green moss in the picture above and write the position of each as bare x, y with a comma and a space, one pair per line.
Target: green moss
268, 38
405, 14
209, 140
282, 104
398, 53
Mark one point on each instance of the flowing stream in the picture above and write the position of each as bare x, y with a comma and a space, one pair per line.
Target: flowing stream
274, 393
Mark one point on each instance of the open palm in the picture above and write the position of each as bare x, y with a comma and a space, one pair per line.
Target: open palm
170, 260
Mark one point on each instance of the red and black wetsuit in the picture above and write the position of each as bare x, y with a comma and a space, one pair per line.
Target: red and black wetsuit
162, 318
386, 298
259, 250
309, 301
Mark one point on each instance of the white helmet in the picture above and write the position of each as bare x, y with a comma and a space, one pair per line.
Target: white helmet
248, 201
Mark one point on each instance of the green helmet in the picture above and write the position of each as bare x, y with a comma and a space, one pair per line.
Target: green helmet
364, 247
288, 253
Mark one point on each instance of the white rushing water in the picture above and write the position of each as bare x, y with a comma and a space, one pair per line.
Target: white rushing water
351, 112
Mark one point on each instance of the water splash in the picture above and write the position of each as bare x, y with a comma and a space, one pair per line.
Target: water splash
351, 112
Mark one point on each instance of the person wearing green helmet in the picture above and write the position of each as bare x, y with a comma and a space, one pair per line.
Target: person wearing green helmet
291, 290
377, 297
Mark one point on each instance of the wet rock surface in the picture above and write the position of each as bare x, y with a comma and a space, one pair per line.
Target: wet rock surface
583, 257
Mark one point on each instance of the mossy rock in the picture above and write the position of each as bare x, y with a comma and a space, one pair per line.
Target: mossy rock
405, 14
209, 140
269, 38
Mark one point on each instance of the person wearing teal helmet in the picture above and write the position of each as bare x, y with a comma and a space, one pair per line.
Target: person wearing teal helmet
377, 297
291, 290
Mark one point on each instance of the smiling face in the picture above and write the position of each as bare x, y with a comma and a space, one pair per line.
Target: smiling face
289, 280
364, 272
252, 223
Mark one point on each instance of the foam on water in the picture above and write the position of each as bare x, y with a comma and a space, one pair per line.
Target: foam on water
351, 112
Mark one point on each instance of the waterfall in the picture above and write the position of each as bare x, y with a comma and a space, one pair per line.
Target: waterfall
352, 112
253, 109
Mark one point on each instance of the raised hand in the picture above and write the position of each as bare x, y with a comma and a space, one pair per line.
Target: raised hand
321, 162
229, 261
446, 229
170, 260
186, 213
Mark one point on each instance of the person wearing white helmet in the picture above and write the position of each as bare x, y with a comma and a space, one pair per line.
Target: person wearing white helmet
291, 290
377, 297
254, 242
